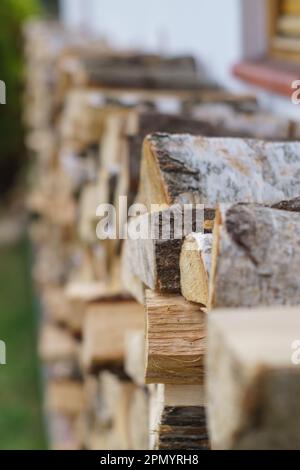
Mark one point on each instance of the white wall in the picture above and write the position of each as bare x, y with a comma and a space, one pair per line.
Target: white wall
210, 29
219, 33
192, 26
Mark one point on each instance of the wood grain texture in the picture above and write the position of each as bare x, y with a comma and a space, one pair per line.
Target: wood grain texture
195, 260
175, 340
252, 384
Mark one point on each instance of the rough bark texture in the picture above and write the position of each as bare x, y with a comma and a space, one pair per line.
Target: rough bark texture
150, 122
185, 169
156, 255
252, 384
256, 257
292, 205
175, 340
139, 419
177, 418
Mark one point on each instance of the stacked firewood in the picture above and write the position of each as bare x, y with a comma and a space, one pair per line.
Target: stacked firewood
129, 140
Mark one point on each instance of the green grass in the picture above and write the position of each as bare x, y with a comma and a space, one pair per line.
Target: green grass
21, 424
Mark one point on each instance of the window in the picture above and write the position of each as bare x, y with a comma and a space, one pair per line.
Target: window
284, 29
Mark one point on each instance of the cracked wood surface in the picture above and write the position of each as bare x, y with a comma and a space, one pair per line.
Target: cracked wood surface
188, 169
175, 340
256, 257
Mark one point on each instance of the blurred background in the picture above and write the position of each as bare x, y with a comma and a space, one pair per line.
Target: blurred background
242, 44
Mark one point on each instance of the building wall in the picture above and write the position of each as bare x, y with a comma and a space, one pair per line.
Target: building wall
166, 26
219, 33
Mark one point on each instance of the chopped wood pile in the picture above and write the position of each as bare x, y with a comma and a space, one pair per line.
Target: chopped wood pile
155, 197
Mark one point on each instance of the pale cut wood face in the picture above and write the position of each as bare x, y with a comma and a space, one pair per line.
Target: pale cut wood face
100, 346
175, 340
252, 382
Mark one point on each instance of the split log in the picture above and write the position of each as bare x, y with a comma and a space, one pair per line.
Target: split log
56, 344
132, 71
65, 397
184, 169
255, 123
81, 167
142, 124
82, 294
175, 340
62, 370
88, 264
83, 119
88, 203
103, 332
130, 281
252, 381
256, 257
117, 395
61, 432
134, 362
155, 250
195, 259
55, 305
177, 418
139, 419
292, 205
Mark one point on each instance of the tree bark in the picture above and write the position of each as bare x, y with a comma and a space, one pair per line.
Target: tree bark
155, 256
177, 417
186, 169
292, 205
256, 257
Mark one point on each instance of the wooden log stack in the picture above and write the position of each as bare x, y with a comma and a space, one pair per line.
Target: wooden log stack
124, 318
